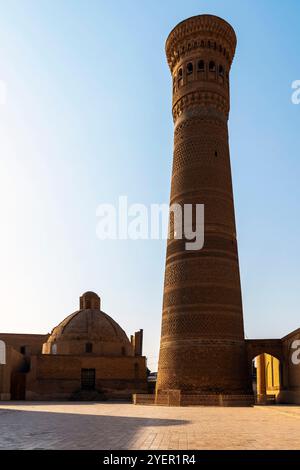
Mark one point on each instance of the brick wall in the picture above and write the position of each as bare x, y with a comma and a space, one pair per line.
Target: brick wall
58, 377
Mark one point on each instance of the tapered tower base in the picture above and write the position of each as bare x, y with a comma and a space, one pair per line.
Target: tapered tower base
177, 398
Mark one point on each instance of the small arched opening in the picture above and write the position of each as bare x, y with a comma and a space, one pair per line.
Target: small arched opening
201, 66
221, 74
189, 68
266, 378
212, 66
180, 77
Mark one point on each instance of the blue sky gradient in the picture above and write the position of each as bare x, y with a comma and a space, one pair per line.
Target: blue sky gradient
88, 118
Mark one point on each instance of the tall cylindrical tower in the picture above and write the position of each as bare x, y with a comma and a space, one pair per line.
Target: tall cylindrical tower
202, 350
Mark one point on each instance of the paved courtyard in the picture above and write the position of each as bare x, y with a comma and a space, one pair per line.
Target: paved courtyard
69, 425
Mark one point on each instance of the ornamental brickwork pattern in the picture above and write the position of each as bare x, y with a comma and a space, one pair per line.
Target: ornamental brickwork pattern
202, 347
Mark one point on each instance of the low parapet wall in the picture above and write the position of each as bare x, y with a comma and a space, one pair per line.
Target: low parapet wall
143, 399
176, 398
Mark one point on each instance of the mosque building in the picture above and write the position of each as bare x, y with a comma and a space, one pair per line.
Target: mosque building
87, 356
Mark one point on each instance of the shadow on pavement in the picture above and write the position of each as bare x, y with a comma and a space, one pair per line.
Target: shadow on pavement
35, 429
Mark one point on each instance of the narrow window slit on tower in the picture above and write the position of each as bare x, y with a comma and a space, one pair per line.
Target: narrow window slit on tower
180, 77
212, 66
201, 65
189, 68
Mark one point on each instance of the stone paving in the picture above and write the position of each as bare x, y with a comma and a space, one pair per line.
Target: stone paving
69, 425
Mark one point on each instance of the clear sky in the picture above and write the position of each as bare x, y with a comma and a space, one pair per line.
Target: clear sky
87, 118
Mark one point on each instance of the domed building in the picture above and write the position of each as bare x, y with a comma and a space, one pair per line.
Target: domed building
87, 356
89, 330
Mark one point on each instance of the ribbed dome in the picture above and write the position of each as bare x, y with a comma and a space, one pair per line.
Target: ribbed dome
88, 330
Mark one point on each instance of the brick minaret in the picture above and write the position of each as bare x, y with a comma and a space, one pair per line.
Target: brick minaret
202, 350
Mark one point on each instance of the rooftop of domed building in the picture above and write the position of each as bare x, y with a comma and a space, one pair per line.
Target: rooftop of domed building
88, 330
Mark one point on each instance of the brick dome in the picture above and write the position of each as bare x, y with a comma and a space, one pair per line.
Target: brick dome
88, 331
